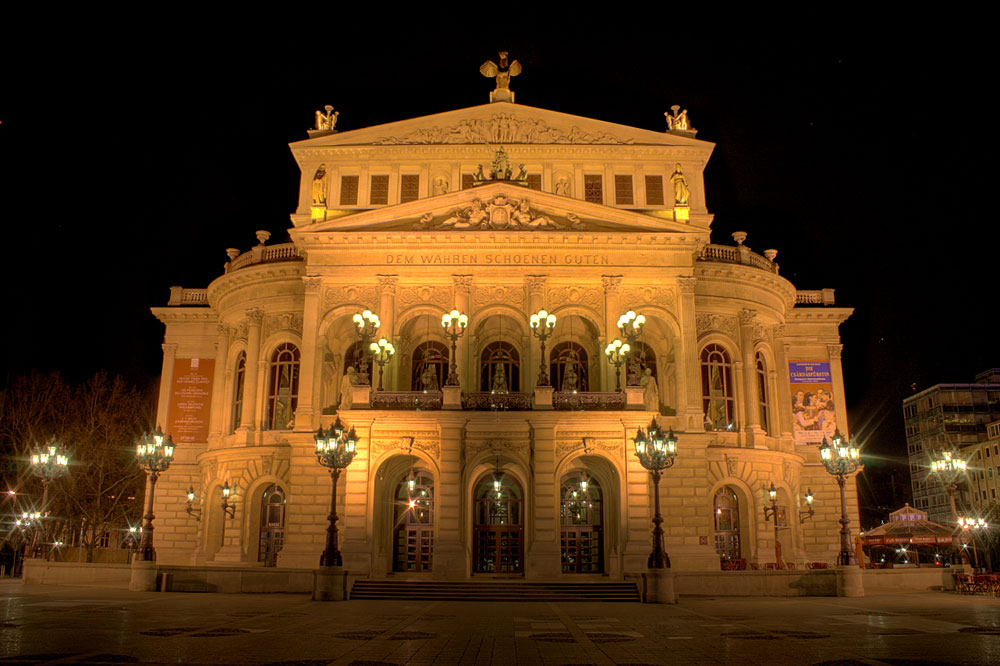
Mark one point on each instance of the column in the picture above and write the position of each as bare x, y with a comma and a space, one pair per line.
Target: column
387, 315
690, 412
217, 416
612, 310
751, 401
782, 397
837, 376
466, 366
450, 562
166, 383
310, 360
535, 285
249, 419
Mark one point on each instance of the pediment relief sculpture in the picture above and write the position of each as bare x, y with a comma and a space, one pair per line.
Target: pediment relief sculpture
501, 128
499, 213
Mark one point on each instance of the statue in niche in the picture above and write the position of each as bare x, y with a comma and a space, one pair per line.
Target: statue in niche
347, 384
562, 187
440, 186
499, 379
501, 72
571, 381
326, 121
319, 186
650, 391
681, 191
429, 379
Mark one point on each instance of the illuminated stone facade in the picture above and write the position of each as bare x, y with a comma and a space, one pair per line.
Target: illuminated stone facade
590, 219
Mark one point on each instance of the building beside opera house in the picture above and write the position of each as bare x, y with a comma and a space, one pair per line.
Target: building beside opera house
499, 211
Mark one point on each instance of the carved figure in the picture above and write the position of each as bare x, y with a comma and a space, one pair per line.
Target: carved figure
571, 381
678, 121
501, 72
440, 185
562, 187
681, 191
347, 383
480, 176
428, 379
522, 175
499, 379
326, 121
319, 186
632, 378
651, 392
501, 166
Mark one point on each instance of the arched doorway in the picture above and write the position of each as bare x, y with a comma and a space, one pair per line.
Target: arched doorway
413, 539
581, 519
498, 530
727, 524
272, 525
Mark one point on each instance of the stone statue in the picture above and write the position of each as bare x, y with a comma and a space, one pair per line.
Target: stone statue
319, 186
651, 392
632, 374
326, 121
501, 166
522, 175
429, 379
499, 379
571, 381
440, 186
681, 191
480, 176
679, 121
501, 72
347, 384
562, 187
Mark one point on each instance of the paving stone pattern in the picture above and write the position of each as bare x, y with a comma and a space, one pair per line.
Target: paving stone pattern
61, 625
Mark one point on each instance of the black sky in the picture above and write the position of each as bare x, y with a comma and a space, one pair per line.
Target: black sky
129, 161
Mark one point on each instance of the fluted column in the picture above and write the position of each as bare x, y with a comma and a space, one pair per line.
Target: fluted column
837, 376
782, 398
248, 421
688, 363
463, 294
310, 359
166, 383
217, 417
535, 285
751, 424
612, 310
387, 315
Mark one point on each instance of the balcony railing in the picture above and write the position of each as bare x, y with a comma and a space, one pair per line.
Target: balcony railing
814, 297
265, 254
739, 254
585, 401
496, 401
412, 400
182, 296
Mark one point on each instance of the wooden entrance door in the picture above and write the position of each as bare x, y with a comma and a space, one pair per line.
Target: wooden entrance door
272, 525
582, 530
413, 547
498, 533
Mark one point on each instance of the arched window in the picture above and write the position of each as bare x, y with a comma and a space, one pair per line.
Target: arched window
727, 523
430, 366
497, 356
282, 387
272, 525
568, 367
641, 357
717, 388
581, 521
414, 521
356, 355
239, 380
762, 397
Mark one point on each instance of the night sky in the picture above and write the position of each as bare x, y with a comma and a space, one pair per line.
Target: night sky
130, 163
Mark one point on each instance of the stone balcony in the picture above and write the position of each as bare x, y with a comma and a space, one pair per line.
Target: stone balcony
488, 401
263, 254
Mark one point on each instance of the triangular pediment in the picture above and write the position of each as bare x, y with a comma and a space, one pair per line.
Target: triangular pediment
500, 123
500, 207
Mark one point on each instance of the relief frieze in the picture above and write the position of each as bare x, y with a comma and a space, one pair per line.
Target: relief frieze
483, 296
285, 321
437, 295
500, 213
590, 297
715, 322
364, 295
633, 296
501, 128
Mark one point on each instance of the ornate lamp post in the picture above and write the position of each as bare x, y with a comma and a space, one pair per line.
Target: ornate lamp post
630, 325
656, 452
542, 324
367, 323
154, 453
810, 512
841, 459
617, 352
973, 525
949, 470
335, 450
454, 324
772, 512
48, 465
382, 351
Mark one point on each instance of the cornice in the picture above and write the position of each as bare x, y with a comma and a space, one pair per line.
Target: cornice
224, 285
741, 274
555, 152
541, 240
175, 315
838, 315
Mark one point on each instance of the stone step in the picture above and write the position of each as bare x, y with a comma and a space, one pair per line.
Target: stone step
494, 591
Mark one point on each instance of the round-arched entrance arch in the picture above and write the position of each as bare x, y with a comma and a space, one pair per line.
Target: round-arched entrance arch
272, 525
727, 524
413, 539
498, 530
581, 519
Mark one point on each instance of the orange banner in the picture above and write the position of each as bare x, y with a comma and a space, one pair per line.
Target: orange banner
191, 399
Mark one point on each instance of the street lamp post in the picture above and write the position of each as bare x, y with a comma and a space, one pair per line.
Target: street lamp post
949, 471
617, 352
656, 452
841, 459
367, 323
154, 452
382, 351
542, 324
973, 525
769, 513
48, 465
335, 449
630, 325
454, 324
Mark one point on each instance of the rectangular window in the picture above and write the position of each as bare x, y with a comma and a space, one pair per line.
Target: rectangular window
623, 190
467, 180
654, 190
349, 190
379, 194
593, 188
987, 452
535, 181
409, 188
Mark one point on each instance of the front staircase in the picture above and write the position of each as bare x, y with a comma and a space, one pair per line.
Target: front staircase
494, 591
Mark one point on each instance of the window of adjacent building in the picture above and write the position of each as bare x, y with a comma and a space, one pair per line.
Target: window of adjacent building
430, 366
762, 392
987, 453
593, 188
535, 181
239, 380
996, 450
282, 387
349, 190
717, 388
500, 368
989, 472
654, 190
623, 190
467, 181
379, 193
569, 368
409, 188
993, 493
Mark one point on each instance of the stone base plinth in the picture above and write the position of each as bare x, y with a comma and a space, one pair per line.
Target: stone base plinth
661, 587
361, 397
635, 397
543, 397
143, 578
451, 397
850, 582
329, 584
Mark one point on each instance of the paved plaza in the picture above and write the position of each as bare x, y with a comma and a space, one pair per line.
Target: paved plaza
49, 624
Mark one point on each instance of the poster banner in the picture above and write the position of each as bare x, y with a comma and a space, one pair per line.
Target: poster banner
812, 401
191, 400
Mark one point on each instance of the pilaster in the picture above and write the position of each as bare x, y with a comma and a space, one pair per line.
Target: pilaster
387, 314
612, 310
535, 285
310, 361
542, 556
466, 371
784, 388
166, 382
217, 415
689, 408
449, 559
837, 375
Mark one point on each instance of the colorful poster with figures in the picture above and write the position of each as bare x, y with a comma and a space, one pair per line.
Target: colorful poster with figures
191, 400
812, 401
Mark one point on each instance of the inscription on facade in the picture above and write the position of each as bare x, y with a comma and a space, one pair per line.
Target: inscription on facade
498, 259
